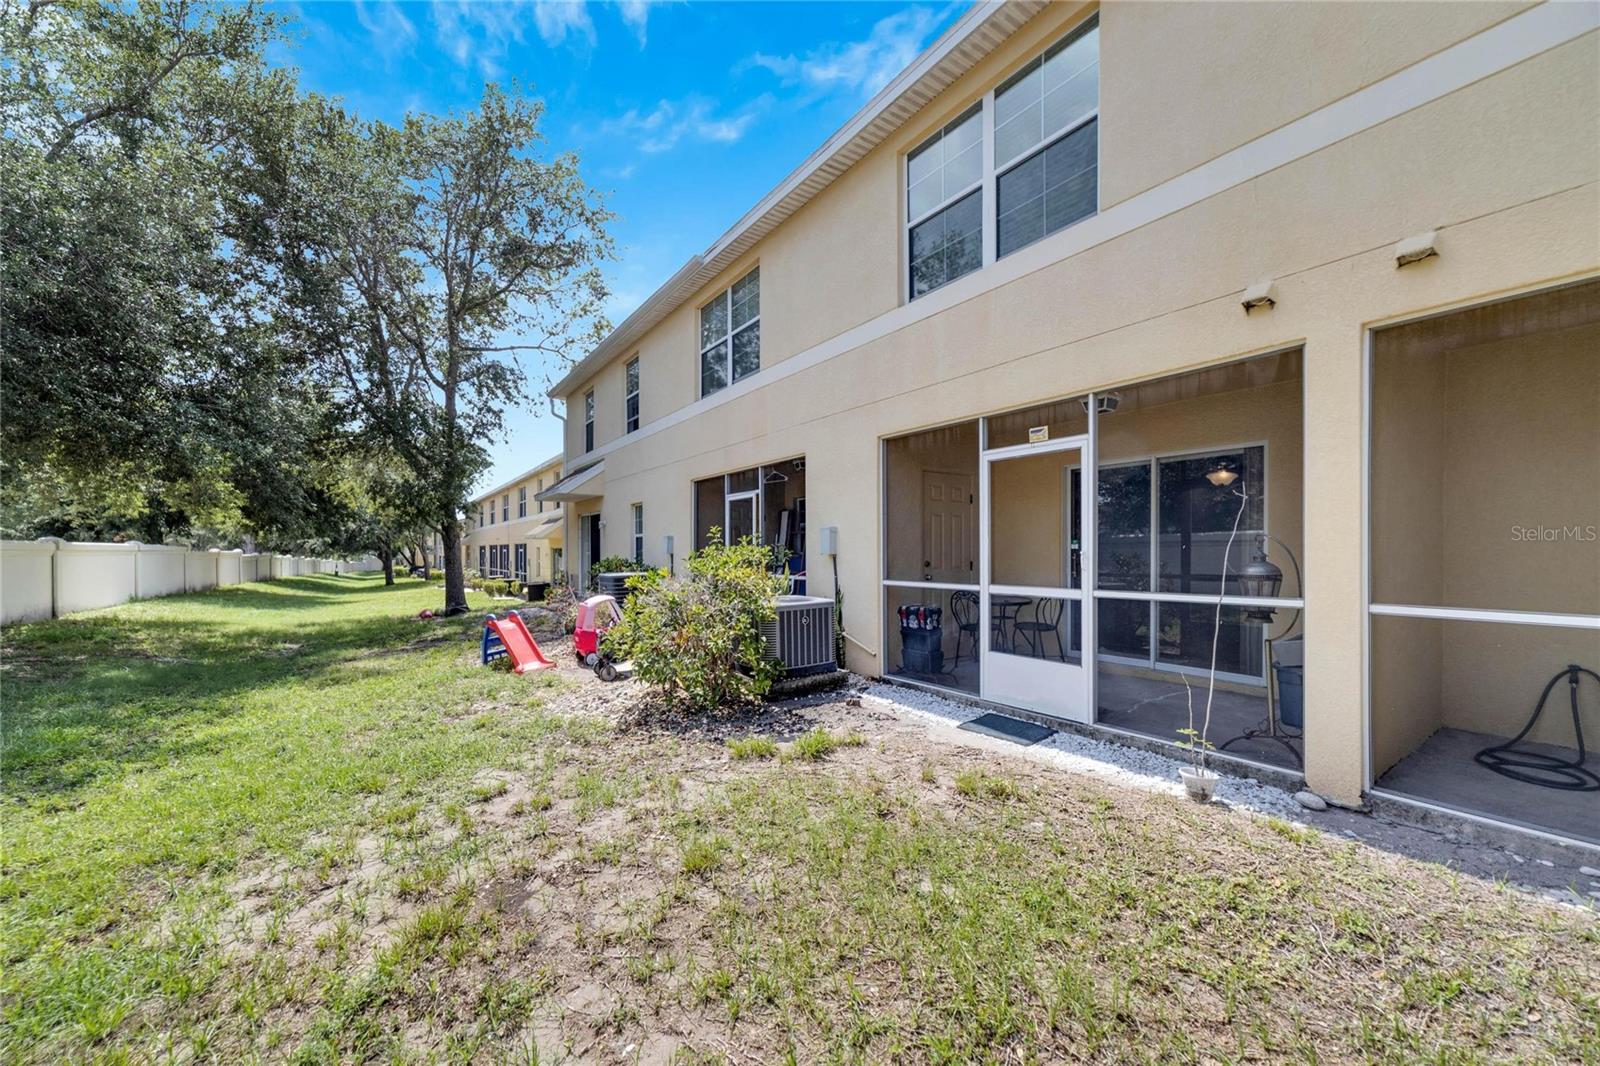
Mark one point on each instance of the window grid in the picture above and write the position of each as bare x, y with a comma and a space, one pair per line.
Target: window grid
631, 400
588, 421
954, 216
505, 507
638, 534
522, 501
730, 334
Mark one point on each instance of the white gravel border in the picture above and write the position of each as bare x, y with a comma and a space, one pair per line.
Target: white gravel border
1121, 765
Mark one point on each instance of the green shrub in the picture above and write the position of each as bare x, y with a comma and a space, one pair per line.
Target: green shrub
612, 564
697, 639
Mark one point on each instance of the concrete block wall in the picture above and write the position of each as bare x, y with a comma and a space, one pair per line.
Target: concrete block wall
50, 577
159, 570
27, 569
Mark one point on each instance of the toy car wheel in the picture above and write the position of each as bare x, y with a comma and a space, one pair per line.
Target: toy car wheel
606, 671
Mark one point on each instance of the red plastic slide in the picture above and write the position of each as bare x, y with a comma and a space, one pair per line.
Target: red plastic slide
526, 658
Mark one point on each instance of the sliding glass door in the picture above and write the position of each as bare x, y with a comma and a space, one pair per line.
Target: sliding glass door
1164, 527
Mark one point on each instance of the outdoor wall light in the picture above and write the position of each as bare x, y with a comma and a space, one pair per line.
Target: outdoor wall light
1261, 294
1105, 403
1415, 249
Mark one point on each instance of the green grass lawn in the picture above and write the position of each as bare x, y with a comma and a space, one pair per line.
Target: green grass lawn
288, 821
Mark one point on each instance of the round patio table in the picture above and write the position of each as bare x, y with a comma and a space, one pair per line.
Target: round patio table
1006, 607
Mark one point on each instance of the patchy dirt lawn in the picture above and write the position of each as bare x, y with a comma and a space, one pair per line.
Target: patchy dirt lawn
510, 869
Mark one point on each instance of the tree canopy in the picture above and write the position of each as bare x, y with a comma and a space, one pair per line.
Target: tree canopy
230, 307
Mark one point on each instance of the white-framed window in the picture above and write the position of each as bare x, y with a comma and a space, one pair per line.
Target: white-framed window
638, 534
944, 203
480, 516
505, 507
1015, 167
730, 334
522, 501
588, 421
491, 512
630, 402
1046, 142
538, 504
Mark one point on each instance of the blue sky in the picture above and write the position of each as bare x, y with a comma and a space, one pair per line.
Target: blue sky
684, 114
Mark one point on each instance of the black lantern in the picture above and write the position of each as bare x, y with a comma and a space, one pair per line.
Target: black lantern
1260, 579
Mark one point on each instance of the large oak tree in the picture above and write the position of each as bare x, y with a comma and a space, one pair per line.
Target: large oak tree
424, 262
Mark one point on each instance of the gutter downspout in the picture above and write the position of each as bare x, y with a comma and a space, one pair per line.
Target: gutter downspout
565, 539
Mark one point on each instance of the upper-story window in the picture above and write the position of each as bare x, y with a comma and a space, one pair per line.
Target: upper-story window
522, 501
1015, 167
630, 402
1046, 145
491, 512
480, 516
944, 202
588, 421
505, 507
538, 503
730, 334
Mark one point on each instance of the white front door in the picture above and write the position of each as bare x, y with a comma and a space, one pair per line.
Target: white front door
1032, 601
949, 527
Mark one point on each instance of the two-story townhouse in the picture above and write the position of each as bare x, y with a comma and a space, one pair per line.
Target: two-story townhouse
509, 532
1255, 343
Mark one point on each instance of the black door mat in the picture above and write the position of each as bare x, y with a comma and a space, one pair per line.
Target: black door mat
998, 725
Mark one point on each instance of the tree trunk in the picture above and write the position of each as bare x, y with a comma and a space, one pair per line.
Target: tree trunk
455, 578
386, 553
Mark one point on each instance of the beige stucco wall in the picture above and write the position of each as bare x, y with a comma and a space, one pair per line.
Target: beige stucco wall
1506, 168
848, 242
1300, 57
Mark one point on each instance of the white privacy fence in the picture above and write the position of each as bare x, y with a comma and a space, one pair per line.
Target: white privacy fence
48, 577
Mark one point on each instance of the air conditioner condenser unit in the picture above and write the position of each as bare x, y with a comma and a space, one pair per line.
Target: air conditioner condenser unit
801, 637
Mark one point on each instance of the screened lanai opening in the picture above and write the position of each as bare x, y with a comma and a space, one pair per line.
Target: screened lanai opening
1485, 561
931, 557
1200, 495
1159, 524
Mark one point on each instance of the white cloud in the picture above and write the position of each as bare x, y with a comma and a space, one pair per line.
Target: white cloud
557, 19
483, 34
391, 32
636, 14
862, 67
663, 127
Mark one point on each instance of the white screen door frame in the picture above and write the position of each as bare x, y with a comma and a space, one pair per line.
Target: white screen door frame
1049, 686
